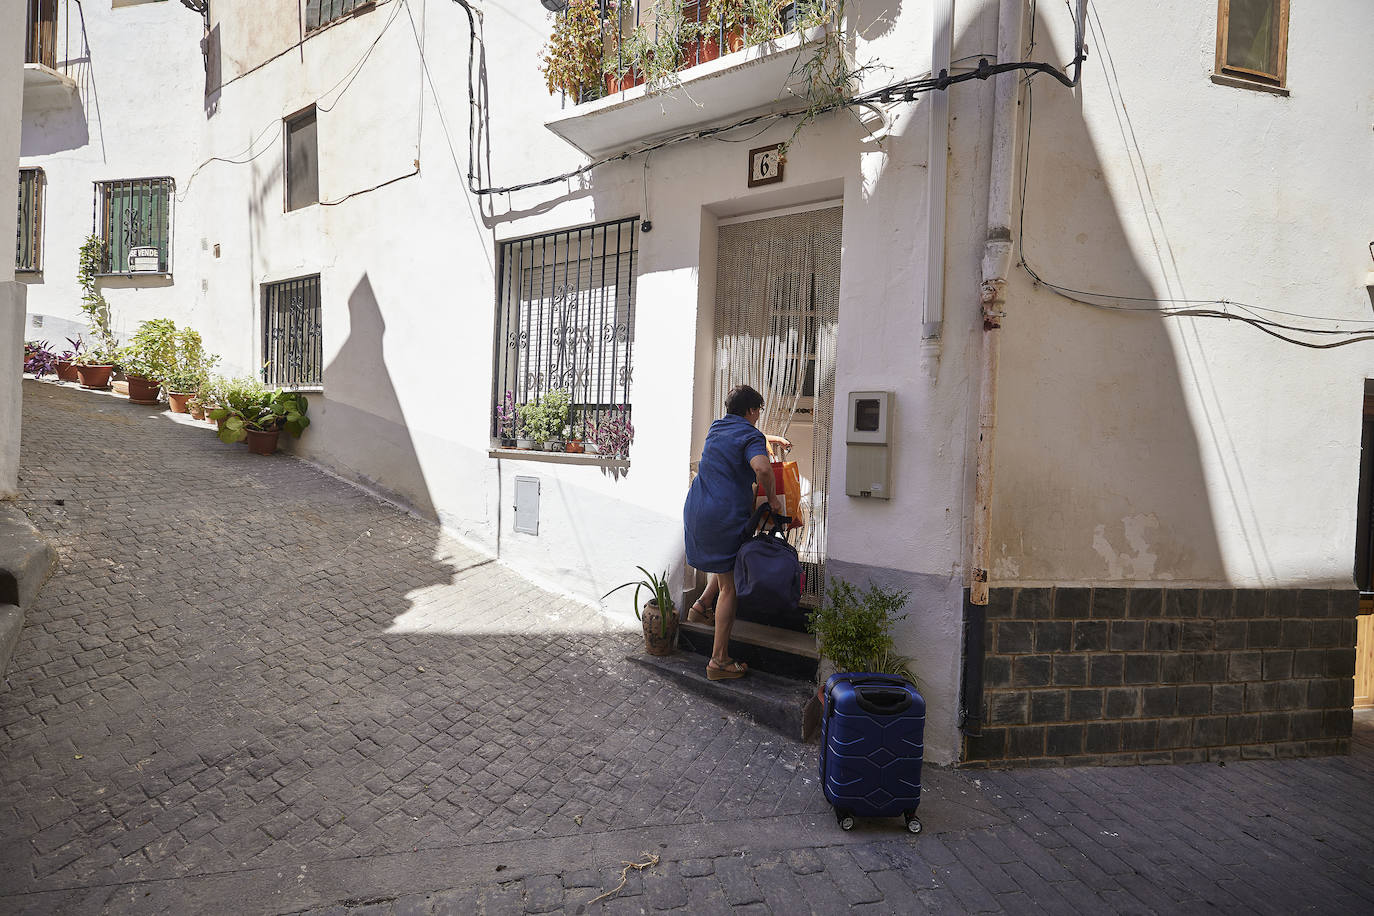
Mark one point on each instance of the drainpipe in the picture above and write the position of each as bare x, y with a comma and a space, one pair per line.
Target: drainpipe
992, 293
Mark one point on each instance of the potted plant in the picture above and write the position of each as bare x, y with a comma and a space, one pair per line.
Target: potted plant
572, 60
506, 421
853, 629
531, 425
147, 357
66, 363
615, 433
187, 369
556, 404
574, 446
236, 400
96, 364
38, 359
659, 617
262, 418
588, 433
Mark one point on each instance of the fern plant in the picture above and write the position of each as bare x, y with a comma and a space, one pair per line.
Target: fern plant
854, 629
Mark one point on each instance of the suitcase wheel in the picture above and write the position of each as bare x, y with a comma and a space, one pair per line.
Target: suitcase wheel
912, 824
844, 819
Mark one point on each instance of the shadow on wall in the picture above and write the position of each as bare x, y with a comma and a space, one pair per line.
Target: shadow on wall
1099, 472
366, 421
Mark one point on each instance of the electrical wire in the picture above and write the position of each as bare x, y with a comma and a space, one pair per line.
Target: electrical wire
1192, 308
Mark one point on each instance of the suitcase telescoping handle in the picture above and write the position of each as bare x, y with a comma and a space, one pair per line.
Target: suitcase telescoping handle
780, 522
882, 701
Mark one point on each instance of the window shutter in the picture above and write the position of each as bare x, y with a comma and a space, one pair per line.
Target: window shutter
312, 15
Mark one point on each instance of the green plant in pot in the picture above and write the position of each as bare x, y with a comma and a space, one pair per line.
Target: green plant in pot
188, 369
542, 422
96, 363
572, 60
150, 352
659, 615
260, 416
854, 628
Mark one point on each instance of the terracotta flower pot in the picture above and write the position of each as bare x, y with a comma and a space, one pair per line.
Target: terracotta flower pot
734, 40
197, 411
143, 390
94, 376
574, 447
655, 643
66, 371
262, 443
177, 400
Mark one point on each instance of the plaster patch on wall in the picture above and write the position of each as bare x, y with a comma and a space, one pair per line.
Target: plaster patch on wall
1125, 565
1005, 567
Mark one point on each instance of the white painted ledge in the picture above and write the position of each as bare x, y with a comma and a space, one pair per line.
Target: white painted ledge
46, 86
756, 79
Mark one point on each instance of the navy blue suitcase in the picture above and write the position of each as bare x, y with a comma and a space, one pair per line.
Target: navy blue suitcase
872, 744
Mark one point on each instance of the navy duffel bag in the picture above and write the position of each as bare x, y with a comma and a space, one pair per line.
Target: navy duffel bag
767, 569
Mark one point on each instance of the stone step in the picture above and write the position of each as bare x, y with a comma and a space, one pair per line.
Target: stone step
763, 648
782, 704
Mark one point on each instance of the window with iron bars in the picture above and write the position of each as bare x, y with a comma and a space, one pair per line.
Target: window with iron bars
292, 345
565, 320
28, 256
319, 13
133, 218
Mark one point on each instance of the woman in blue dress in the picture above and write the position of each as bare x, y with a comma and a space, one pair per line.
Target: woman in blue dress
719, 504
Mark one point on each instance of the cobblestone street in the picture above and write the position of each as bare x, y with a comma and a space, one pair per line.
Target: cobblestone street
252, 688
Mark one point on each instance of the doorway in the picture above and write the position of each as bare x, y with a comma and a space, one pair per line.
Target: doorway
776, 320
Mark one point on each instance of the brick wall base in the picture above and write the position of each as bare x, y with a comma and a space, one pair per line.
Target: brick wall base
1077, 676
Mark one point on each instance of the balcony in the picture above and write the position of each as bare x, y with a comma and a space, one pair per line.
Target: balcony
48, 57
665, 69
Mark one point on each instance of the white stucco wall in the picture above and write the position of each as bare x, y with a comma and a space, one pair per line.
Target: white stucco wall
11, 292
135, 113
1138, 449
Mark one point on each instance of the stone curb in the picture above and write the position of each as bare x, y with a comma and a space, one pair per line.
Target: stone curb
26, 560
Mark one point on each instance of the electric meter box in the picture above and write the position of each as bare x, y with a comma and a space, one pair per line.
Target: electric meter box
868, 445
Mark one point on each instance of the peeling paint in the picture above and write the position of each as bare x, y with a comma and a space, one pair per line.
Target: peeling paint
1127, 565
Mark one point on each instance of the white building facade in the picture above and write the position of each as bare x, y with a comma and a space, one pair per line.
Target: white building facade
1158, 588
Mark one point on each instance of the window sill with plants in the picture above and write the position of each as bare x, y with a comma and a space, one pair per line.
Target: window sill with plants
699, 62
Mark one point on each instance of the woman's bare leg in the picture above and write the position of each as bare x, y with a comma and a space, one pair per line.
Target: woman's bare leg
711, 594
725, 617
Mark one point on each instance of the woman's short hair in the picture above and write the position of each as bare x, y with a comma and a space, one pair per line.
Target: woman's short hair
742, 399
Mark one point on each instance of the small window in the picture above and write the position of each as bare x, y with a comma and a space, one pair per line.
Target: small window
134, 219
292, 345
319, 13
566, 320
302, 161
1252, 40
29, 252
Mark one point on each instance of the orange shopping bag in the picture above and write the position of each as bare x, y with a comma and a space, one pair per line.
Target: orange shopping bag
787, 480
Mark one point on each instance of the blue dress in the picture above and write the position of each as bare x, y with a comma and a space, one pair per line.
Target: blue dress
721, 498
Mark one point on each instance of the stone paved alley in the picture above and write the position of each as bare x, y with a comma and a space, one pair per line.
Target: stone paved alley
252, 688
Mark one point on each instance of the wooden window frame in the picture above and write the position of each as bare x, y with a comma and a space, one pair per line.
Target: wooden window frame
310, 112
1243, 76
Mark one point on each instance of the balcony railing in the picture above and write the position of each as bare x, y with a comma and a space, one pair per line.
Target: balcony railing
601, 47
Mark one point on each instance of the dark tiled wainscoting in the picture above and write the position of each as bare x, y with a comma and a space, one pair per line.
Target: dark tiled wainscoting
1123, 676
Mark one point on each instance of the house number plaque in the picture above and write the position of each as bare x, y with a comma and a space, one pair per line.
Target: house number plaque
765, 165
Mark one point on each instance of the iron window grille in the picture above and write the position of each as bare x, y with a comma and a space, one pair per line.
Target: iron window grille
565, 319
320, 13
292, 344
133, 217
28, 256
